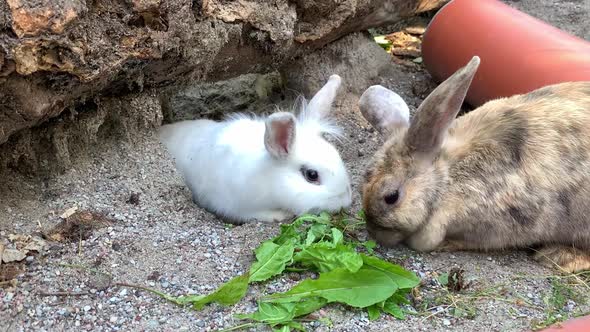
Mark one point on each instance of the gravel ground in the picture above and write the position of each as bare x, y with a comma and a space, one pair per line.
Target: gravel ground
153, 235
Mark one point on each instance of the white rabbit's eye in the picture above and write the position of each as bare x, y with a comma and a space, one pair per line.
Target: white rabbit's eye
311, 175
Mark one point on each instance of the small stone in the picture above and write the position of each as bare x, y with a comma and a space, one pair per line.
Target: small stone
123, 293
87, 308
114, 299
30, 259
207, 255
446, 322
165, 284
360, 153
530, 295
489, 259
8, 297
200, 323
153, 324
113, 319
116, 246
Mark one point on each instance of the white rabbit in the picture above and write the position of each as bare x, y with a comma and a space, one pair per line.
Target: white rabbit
268, 169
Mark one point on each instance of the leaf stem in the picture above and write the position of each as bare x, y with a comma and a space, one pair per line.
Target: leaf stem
234, 328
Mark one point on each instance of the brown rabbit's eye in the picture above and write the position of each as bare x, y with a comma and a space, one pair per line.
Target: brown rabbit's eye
391, 198
311, 175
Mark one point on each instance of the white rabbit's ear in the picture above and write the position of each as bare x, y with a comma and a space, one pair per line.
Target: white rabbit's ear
385, 110
279, 134
320, 105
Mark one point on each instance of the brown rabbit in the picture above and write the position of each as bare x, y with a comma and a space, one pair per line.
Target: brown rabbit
514, 173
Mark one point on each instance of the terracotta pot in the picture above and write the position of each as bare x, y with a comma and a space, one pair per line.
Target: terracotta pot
581, 324
519, 53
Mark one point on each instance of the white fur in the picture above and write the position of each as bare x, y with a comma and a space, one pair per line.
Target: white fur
230, 172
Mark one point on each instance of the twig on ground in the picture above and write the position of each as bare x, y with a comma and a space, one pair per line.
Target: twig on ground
64, 293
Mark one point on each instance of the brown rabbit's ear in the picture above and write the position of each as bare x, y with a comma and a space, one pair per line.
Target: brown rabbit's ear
436, 113
385, 110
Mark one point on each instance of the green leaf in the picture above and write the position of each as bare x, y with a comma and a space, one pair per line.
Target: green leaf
393, 309
443, 279
290, 232
374, 312
361, 214
402, 277
272, 313
309, 305
325, 257
337, 236
284, 313
227, 294
359, 289
369, 245
325, 217
295, 325
271, 260
283, 328
399, 297
316, 231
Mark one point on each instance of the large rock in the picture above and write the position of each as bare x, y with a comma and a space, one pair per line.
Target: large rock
248, 93
55, 54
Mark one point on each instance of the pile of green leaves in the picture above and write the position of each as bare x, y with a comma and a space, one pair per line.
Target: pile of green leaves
316, 244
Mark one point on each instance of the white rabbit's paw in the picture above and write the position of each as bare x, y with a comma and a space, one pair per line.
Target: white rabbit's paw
272, 215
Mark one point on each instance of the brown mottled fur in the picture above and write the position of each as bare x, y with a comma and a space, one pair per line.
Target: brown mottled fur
514, 173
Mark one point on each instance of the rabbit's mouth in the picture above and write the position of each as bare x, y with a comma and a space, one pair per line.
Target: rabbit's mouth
336, 202
387, 237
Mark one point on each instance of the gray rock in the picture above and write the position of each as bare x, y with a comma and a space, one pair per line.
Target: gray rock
246, 93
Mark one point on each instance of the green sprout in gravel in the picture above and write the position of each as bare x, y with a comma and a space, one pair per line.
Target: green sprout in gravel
324, 245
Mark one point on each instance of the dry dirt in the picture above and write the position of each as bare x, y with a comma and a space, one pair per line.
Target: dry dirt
156, 237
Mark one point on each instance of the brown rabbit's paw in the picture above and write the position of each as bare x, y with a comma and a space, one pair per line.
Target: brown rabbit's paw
451, 245
566, 258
